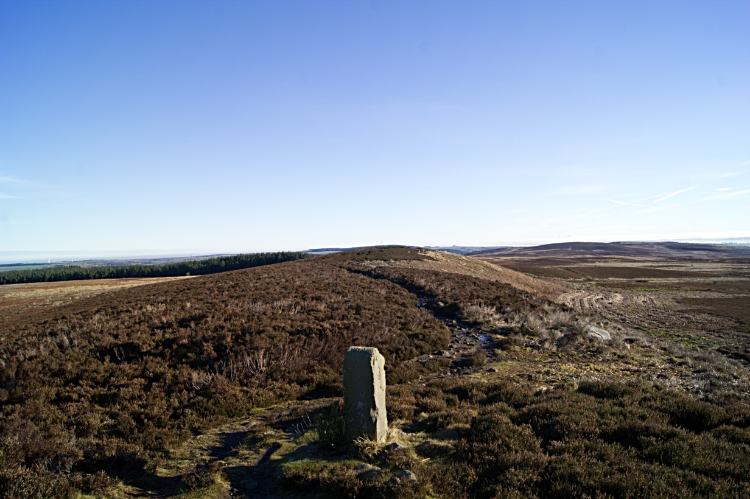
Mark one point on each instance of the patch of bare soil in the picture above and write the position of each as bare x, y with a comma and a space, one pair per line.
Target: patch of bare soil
645, 310
708, 311
711, 285
469, 347
702, 298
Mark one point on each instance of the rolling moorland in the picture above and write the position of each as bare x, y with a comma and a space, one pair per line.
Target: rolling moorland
199, 266
558, 374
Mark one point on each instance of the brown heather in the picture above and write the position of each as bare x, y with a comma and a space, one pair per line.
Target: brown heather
610, 440
104, 390
122, 377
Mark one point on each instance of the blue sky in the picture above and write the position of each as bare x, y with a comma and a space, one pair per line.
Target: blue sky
246, 126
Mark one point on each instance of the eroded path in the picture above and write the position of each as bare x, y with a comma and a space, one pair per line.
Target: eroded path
466, 342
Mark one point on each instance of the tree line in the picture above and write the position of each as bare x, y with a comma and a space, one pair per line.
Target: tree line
193, 267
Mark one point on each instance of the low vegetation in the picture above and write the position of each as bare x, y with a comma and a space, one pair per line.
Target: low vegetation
113, 389
113, 382
498, 439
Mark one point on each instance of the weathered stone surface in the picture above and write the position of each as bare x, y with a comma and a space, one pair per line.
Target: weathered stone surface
399, 433
405, 477
364, 394
599, 333
366, 471
395, 447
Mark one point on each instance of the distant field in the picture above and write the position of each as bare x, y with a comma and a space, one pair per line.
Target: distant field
736, 308
185, 268
590, 272
694, 291
24, 300
560, 253
8, 268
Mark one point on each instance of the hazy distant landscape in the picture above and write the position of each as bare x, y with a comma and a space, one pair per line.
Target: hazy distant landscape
102, 262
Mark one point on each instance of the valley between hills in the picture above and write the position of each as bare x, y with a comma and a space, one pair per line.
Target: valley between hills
576, 370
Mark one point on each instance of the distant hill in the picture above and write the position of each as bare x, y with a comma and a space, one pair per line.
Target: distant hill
325, 251
464, 250
459, 250
618, 250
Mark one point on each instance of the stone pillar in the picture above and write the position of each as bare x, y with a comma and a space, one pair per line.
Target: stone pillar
364, 394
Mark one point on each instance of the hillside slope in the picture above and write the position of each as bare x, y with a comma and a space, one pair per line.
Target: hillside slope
439, 261
560, 252
138, 370
183, 387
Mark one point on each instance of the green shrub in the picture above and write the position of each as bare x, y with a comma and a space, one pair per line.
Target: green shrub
686, 412
114, 381
477, 359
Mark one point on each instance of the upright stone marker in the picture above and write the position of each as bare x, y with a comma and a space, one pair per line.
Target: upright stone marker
364, 394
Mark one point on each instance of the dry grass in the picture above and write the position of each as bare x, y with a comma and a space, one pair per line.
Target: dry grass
23, 300
450, 263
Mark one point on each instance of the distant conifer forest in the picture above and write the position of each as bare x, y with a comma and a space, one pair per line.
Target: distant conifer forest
194, 267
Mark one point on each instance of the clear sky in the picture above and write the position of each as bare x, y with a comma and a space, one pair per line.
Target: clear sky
247, 126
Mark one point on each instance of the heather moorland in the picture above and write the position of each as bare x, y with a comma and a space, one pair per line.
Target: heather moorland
522, 382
